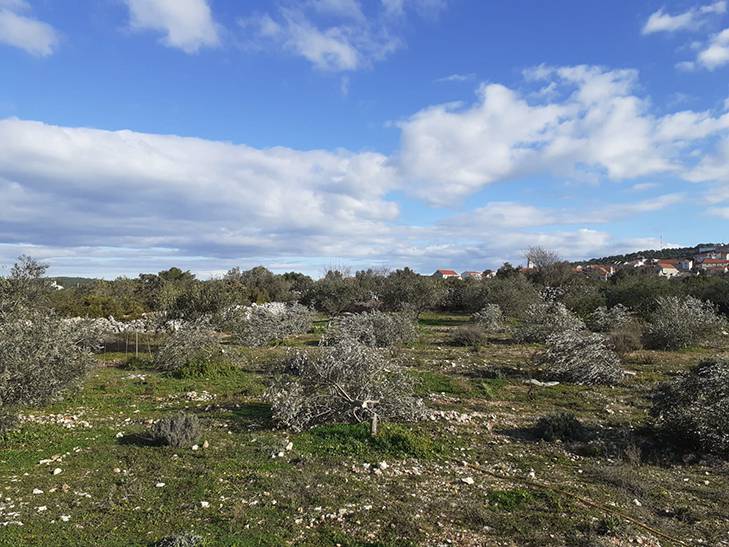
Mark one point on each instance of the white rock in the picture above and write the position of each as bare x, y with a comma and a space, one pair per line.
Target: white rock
119, 435
37, 491
160, 485
57, 471
206, 444
468, 480
42, 508
117, 470
636, 502
383, 465
204, 504
65, 518
195, 447
290, 446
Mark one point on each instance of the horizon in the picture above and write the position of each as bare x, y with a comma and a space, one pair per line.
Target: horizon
139, 135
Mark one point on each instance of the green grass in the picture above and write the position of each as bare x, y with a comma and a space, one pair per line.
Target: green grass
320, 492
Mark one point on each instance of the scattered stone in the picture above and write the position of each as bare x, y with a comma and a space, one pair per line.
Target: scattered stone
204, 504
57, 471
468, 480
160, 485
37, 491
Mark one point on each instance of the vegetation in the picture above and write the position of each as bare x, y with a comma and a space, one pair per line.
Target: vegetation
580, 357
682, 322
693, 408
180, 431
374, 329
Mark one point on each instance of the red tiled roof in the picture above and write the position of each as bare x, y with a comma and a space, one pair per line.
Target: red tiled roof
447, 272
715, 261
666, 264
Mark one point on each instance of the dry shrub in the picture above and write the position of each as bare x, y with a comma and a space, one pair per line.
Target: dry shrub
490, 318
682, 322
346, 383
261, 325
40, 357
563, 426
469, 335
580, 357
605, 319
374, 329
180, 431
544, 319
193, 345
693, 409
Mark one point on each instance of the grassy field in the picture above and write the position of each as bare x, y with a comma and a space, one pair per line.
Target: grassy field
82, 471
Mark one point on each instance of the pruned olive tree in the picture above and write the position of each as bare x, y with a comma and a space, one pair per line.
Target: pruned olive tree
545, 318
374, 329
260, 325
580, 357
40, 354
682, 322
348, 382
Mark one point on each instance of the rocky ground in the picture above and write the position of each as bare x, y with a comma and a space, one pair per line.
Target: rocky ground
82, 471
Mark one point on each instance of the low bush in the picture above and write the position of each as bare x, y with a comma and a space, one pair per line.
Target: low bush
261, 325
693, 409
41, 356
194, 345
682, 322
626, 338
348, 383
543, 319
605, 319
469, 335
563, 426
181, 540
580, 357
374, 329
180, 431
490, 318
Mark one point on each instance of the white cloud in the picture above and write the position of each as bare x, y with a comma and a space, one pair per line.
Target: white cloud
716, 53
335, 35
457, 78
594, 125
721, 212
78, 186
187, 24
24, 32
660, 21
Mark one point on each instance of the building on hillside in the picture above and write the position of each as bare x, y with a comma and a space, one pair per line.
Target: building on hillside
598, 271
667, 268
446, 274
472, 275
714, 265
637, 263
685, 264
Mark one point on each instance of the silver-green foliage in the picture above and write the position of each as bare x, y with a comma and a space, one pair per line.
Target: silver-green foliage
374, 329
40, 354
605, 319
490, 318
194, 343
681, 322
580, 357
694, 408
268, 323
348, 382
180, 431
545, 318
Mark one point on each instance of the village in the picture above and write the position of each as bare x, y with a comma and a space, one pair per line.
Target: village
705, 260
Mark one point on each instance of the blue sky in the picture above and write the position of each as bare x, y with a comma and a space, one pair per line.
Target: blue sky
140, 134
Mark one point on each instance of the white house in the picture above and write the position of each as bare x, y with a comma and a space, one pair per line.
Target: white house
666, 269
471, 275
446, 274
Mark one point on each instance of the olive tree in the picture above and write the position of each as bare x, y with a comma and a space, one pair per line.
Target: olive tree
543, 319
374, 329
193, 344
681, 322
348, 382
694, 408
40, 354
260, 325
580, 357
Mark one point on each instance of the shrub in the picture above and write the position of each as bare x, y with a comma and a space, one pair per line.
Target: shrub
40, 357
694, 407
181, 540
373, 329
490, 318
544, 319
563, 426
262, 325
627, 338
181, 431
469, 335
193, 345
514, 294
605, 319
682, 322
581, 357
348, 383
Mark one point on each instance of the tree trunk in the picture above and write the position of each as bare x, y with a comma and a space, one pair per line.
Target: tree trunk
373, 425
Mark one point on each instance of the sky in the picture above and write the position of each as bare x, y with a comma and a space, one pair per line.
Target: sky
136, 135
